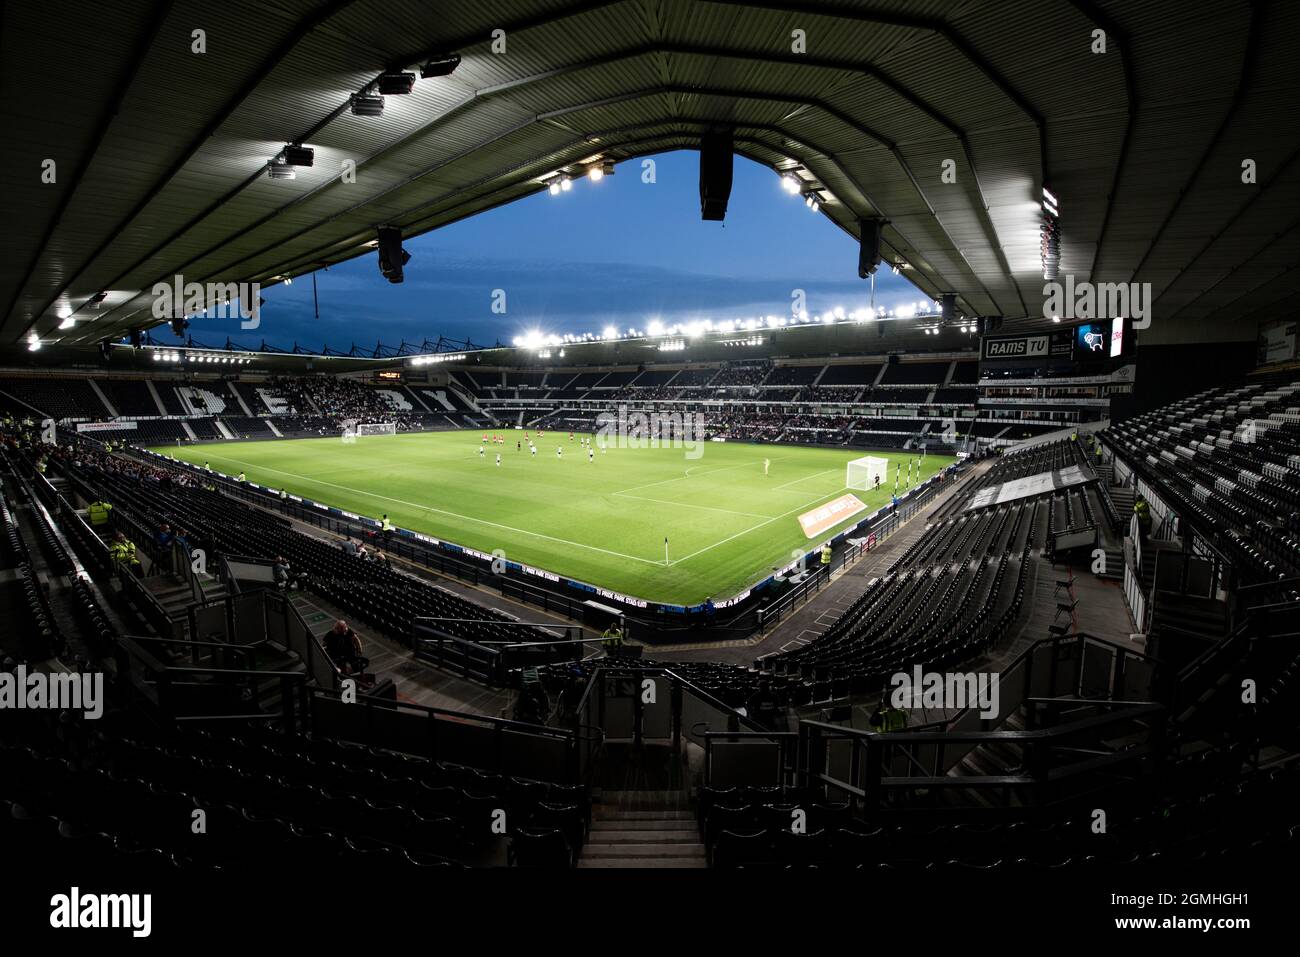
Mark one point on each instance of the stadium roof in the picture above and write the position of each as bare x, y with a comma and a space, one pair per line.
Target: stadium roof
162, 152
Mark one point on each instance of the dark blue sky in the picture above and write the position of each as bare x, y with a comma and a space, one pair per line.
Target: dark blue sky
619, 251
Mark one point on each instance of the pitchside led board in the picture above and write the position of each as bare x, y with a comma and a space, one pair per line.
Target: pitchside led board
1086, 345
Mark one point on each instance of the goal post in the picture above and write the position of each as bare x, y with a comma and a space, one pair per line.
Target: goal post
376, 428
866, 473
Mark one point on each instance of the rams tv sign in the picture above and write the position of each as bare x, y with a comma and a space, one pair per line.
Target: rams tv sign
1016, 347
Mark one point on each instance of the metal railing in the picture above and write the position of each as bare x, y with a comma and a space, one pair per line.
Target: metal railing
187, 693
874, 769
496, 745
872, 537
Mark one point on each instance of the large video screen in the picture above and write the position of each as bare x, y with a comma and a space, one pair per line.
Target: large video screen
1092, 341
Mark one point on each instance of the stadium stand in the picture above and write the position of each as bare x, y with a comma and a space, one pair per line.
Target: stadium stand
990, 577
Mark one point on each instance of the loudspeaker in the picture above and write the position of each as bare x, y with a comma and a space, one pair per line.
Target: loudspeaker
179, 325
990, 324
948, 305
392, 257
715, 174
135, 338
868, 247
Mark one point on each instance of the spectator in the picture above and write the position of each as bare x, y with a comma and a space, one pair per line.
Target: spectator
343, 645
122, 550
98, 513
285, 577
349, 546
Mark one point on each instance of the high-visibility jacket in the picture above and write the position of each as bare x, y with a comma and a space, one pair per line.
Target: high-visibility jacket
123, 551
386, 526
241, 476
613, 637
890, 719
894, 720
826, 554
98, 512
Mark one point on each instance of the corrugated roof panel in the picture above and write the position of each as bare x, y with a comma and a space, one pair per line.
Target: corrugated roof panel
469, 141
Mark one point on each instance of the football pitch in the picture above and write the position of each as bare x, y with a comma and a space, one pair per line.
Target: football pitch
602, 521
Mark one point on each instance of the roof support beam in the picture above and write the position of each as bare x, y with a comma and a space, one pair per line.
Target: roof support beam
1116, 35
1254, 197
582, 143
958, 42
680, 89
1245, 261
134, 61
282, 50
1238, 97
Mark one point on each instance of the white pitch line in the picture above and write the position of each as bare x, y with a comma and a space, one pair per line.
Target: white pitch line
710, 508
804, 479
755, 528
430, 508
682, 478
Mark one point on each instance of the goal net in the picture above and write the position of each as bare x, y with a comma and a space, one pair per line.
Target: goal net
866, 473
376, 428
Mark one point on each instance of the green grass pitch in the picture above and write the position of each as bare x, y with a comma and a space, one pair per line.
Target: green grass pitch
603, 521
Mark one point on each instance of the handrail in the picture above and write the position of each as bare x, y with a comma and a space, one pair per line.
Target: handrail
701, 694
1028, 652
227, 576
1209, 535
238, 672
972, 737
1099, 702
202, 644
502, 723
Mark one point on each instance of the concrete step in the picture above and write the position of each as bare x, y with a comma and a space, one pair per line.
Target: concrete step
643, 836
594, 850
631, 824
602, 813
659, 863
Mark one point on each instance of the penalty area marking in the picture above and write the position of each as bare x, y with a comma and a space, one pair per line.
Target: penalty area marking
430, 508
804, 479
710, 508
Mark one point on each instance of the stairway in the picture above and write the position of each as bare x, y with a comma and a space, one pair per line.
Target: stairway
642, 829
175, 596
1206, 617
1114, 564
1122, 497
